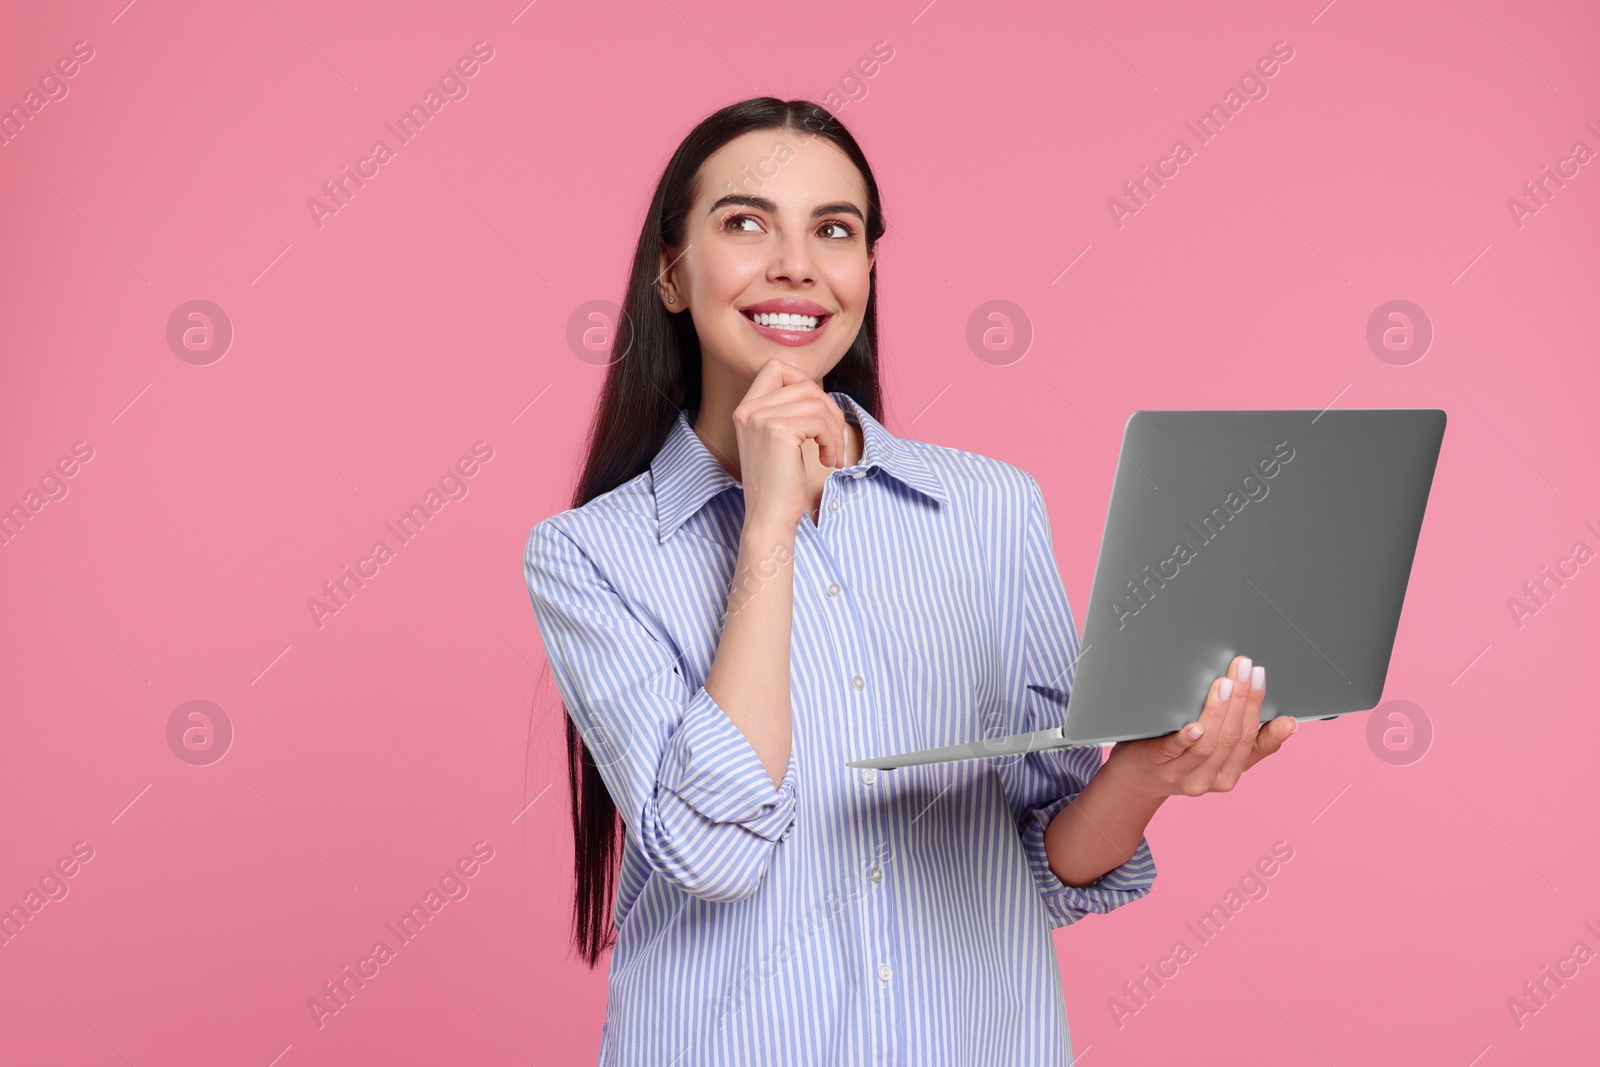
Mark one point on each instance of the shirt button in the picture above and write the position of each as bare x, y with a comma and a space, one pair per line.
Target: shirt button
833, 505
876, 874
883, 972
787, 830
869, 776
858, 473
859, 682
833, 589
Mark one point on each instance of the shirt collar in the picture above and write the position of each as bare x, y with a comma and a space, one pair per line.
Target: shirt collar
685, 474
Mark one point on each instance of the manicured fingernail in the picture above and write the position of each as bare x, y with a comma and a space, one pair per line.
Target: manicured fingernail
1294, 724
1244, 668
1195, 732
1258, 677
1225, 689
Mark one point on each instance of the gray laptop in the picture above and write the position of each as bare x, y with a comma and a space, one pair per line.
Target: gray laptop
1285, 536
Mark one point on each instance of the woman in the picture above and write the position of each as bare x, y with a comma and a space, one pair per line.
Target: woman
757, 583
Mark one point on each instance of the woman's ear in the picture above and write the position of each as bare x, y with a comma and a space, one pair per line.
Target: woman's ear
666, 286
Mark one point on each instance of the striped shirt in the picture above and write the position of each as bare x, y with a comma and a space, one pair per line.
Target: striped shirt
843, 916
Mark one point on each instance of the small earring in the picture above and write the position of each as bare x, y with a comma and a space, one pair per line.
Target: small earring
672, 299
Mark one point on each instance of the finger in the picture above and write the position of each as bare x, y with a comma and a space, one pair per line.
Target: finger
797, 391
771, 376
774, 374
1223, 689
1239, 695
1222, 732
1250, 727
1271, 738
810, 419
1198, 749
798, 387
1179, 741
792, 374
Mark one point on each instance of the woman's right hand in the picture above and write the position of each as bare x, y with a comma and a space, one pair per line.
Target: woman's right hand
781, 412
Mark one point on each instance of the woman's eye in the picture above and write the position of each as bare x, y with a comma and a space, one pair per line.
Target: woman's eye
736, 224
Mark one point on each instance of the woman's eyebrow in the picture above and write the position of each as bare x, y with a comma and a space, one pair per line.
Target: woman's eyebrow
761, 203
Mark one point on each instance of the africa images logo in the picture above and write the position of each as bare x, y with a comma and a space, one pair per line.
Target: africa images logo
1251, 488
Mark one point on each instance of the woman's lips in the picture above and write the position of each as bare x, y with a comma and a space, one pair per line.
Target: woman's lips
792, 338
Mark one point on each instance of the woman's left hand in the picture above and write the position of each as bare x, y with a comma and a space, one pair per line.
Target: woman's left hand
1231, 741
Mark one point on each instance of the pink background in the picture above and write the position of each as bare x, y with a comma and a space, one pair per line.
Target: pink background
431, 312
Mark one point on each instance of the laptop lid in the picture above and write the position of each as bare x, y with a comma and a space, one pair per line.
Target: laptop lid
1286, 536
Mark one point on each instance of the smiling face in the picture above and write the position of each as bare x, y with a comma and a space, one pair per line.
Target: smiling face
774, 260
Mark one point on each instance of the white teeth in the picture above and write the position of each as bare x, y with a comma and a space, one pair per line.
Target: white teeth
785, 321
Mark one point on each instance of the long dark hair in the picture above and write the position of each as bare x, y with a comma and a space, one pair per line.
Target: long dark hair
655, 372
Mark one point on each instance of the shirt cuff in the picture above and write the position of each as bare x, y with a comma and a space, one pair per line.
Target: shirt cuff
1064, 903
711, 767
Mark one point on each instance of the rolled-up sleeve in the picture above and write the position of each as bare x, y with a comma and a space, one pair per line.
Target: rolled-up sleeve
690, 788
1040, 784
